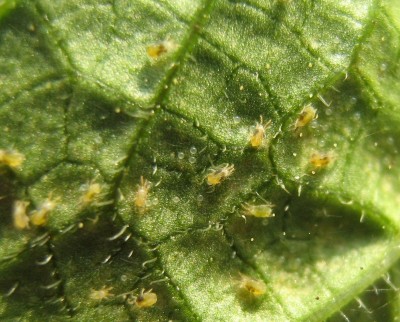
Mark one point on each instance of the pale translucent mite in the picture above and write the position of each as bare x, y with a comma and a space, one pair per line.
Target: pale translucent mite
141, 194
145, 299
252, 286
101, 294
158, 50
12, 159
308, 114
91, 193
258, 136
20, 216
321, 160
261, 211
219, 173
39, 217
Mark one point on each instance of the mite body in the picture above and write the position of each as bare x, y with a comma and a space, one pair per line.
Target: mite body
11, 159
219, 173
20, 217
91, 193
258, 136
252, 286
261, 211
40, 216
101, 294
145, 299
160, 49
141, 195
308, 114
321, 160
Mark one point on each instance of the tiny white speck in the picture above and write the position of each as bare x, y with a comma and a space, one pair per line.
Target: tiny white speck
236, 119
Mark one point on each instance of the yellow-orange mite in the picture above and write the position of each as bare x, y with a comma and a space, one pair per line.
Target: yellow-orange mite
91, 193
11, 159
321, 160
261, 211
308, 114
141, 194
258, 136
252, 286
20, 217
146, 299
101, 294
219, 173
39, 217
160, 49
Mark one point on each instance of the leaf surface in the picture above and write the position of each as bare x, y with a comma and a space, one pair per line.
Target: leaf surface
85, 102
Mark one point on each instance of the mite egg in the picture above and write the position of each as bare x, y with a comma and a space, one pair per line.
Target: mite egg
252, 286
258, 136
146, 299
141, 194
20, 217
11, 159
219, 173
160, 49
101, 294
308, 114
261, 211
40, 216
320, 160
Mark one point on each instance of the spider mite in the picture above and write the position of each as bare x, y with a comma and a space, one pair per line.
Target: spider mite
101, 294
320, 160
91, 193
39, 217
258, 136
219, 173
260, 211
12, 159
145, 299
141, 195
253, 286
308, 114
158, 50
20, 217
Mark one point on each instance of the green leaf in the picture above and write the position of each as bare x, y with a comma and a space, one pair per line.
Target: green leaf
89, 104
